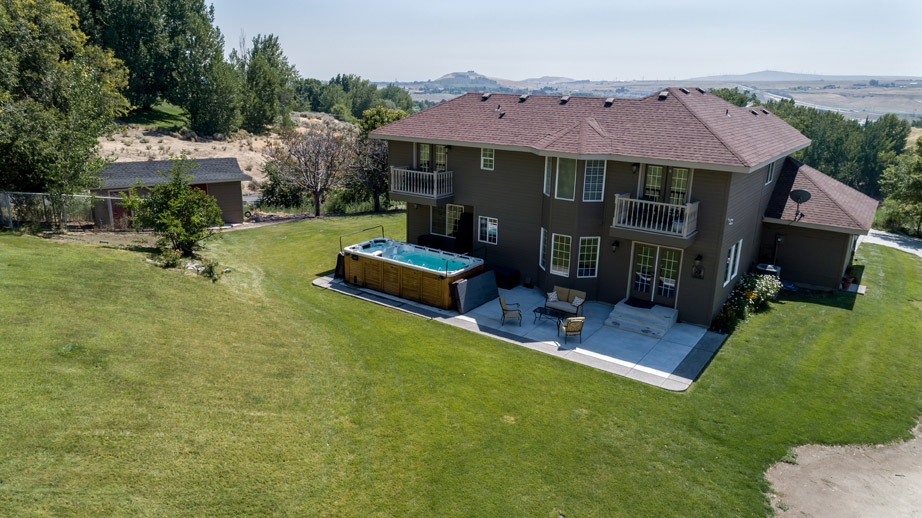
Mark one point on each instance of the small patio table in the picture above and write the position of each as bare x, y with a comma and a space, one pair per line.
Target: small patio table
545, 313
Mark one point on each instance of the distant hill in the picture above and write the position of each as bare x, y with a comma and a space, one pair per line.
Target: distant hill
776, 76
470, 79
549, 80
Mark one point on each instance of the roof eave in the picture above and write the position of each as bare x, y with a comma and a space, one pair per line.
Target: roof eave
541, 152
778, 157
817, 226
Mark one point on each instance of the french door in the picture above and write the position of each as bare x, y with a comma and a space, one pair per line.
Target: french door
655, 274
666, 184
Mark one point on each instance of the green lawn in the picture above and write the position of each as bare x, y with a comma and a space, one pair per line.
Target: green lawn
162, 117
130, 390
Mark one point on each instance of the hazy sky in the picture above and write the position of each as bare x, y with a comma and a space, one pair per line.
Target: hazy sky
652, 39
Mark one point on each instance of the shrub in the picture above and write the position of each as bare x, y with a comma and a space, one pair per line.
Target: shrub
181, 216
750, 294
170, 257
211, 270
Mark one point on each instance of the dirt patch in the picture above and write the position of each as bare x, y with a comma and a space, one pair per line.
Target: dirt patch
131, 143
914, 134
843, 481
134, 144
113, 239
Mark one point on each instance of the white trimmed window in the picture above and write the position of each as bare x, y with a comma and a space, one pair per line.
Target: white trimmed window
588, 261
566, 179
489, 230
486, 159
548, 173
441, 158
444, 220
770, 176
425, 162
733, 261
542, 251
678, 188
560, 255
594, 180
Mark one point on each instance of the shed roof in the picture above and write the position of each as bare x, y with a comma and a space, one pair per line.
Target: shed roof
695, 127
207, 170
831, 204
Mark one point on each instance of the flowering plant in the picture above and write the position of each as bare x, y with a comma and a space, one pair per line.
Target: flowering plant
750, 294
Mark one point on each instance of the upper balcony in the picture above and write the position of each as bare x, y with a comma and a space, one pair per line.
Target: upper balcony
427, 187
661, 223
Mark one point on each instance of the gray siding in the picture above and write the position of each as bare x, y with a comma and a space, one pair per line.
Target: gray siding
809, 256
513, 193
746, 202
229, 196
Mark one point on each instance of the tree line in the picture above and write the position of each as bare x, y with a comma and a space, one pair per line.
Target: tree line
175, 53
69, 69
870, 156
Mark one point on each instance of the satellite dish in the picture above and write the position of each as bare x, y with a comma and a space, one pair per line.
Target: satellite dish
799, 196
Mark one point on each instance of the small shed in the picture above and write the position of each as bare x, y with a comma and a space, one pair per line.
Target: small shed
219, 177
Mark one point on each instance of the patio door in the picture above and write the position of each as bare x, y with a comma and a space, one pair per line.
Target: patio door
655, 274
665, 184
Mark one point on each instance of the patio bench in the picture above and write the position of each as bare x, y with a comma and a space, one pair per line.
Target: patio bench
568, 301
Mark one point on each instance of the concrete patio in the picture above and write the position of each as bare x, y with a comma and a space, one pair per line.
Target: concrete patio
671, 362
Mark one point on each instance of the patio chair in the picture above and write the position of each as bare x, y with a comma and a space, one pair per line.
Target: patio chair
510, 311
572, 326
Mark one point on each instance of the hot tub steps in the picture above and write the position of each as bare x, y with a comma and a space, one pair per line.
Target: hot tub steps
655, 321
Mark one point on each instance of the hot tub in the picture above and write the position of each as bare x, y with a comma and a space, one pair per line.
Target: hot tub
408, 271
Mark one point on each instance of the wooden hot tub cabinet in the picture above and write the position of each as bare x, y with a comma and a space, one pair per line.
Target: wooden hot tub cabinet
403, 281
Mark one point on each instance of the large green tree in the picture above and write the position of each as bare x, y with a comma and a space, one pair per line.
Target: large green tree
135, 30
902, 183
268, 83
852, 152
57, 96
207, 86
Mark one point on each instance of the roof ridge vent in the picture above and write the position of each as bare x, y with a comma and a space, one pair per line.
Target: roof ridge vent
663, 95
485, 96
523, 98
684, 91
564, 99
702, 90
609, 101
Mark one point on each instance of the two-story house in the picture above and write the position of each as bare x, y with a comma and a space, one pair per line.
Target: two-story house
667, 199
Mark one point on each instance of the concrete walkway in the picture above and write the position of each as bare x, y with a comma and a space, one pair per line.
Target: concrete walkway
908, 244
671, 362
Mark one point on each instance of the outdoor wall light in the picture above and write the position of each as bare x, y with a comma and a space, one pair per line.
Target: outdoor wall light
729, 221
635, 167
614, 246
779, 238
698, 270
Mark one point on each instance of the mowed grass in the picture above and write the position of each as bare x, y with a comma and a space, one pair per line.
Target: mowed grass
126, 389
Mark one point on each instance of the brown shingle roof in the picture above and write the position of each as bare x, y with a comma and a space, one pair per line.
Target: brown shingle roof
693, 127
831, 204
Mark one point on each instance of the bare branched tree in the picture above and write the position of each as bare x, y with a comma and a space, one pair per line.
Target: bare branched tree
369, 171
315, 160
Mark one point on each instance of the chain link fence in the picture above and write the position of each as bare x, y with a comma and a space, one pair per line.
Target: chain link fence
36, 212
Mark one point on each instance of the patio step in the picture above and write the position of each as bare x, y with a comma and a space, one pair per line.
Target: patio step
655, 321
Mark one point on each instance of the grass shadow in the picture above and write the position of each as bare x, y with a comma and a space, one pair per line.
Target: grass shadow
163, 117
834, 299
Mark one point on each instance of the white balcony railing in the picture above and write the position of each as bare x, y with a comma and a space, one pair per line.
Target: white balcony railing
425, 184
656, 217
